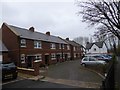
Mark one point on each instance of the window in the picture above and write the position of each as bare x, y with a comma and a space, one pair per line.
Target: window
37, 44
92, 59
38, 57
69, 55
22, 58
23, 43
59, 46
94, 49
60, 55
75, 55
63, 55
74, 49
52, 46
68, 47
85, 59
53, 56
63, 46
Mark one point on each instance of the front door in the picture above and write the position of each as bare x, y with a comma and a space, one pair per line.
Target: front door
29, 61
58, 57
47, 59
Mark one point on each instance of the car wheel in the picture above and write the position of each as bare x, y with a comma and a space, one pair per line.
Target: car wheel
84, 65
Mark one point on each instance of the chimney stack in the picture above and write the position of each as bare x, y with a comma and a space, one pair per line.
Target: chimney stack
31, 29
67, 39
48, 33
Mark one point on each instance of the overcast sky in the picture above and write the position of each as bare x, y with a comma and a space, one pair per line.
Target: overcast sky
58, 17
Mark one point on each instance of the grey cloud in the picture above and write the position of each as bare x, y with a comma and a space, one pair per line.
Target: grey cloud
57, 17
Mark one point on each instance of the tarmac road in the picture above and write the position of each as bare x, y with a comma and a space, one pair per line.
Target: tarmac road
69, 74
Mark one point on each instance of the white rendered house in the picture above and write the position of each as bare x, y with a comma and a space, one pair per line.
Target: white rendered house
96, 48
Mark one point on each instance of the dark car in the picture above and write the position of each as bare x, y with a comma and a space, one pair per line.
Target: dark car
9, 71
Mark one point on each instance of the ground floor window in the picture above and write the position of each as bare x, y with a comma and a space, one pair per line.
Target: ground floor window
22, 58
68, 55
63, 55
38, 57
74, 55
53, 56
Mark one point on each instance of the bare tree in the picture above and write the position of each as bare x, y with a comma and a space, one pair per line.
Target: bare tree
102, 13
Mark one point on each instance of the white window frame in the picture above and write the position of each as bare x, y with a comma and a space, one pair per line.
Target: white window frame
68, 47
63, 46
38, 58
23, 43
60, 46
53, 46
68, 55
74, 48
74, 55
38, 44
22, 56
53, 56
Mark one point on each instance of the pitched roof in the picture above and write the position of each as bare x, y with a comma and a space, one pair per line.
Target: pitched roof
99, 44
25, 33
88, 46
73, 43
2, 47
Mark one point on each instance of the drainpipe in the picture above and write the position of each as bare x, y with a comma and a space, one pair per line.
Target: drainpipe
19, 51
62, 50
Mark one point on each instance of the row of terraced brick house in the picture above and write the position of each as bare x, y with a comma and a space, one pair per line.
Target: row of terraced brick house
27, 46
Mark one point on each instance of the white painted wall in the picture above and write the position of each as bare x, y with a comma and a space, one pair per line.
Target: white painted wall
98, 50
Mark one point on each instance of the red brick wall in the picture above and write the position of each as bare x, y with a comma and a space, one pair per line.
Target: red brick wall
5, 57
11, 42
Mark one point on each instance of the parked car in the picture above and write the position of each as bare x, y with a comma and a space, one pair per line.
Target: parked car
9, 70
89, 60
102, 57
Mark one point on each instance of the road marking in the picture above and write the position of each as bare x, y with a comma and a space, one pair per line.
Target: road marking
11, 81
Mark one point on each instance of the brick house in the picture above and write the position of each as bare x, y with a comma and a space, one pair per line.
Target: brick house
75, 49
26, 46
4, 53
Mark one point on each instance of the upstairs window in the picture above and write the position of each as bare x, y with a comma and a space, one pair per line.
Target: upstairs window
68, 47
37, 44
63, 46
60, 46
52, 46
23, 43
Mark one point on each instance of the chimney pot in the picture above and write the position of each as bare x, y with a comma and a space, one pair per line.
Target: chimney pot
48, 33
31, 29
67, 39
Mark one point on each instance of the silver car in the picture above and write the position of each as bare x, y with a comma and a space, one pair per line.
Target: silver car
89, 60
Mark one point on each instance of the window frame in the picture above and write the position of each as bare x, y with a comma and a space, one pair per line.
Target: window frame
52, 46
22, 58
38, 59
22, 42
53, 56
38, 44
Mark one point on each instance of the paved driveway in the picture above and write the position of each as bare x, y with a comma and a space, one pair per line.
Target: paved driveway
72, 71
